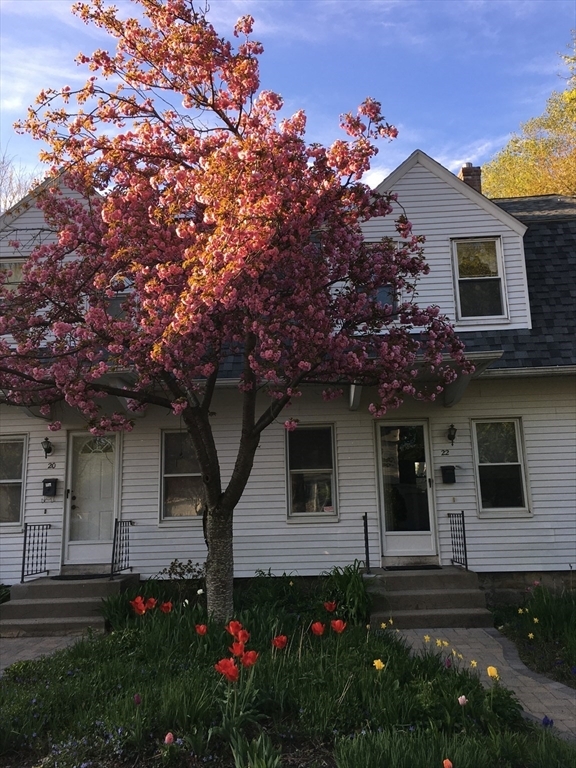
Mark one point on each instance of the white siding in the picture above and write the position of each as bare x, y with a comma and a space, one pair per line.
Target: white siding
441, 213
265, 538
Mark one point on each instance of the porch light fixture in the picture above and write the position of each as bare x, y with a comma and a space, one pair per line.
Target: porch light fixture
47, 447
451, 434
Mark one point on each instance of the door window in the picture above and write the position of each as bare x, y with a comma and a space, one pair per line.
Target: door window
404, 478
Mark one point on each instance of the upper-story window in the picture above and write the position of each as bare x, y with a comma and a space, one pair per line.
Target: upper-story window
12, 465
479, 278
13, 269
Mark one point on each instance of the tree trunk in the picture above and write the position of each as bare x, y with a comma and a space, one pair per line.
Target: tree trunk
220, 564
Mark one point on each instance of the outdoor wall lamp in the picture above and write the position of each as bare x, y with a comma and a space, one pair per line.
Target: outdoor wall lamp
451, 434
47, 447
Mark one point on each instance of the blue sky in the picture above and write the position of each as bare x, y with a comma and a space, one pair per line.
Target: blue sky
456, 77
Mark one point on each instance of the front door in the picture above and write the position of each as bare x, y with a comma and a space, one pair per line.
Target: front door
406, 490
91, 500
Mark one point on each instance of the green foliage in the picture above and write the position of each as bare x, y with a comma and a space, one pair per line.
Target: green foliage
346, 587
426, 748
258, 753
543, 628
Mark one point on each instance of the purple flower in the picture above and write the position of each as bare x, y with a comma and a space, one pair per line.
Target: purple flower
547, 722
448, 662
137, 699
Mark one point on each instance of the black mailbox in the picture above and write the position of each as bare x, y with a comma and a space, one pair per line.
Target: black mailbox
448, 474
49, 487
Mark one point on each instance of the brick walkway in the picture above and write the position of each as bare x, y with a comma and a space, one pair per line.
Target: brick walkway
539, 696
13, 649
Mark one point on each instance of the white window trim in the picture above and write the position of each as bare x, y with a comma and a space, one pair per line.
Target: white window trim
526, 510
17, 525
313, 517
480, 319
175, 522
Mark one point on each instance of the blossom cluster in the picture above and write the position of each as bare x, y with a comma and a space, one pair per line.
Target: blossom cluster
141, 605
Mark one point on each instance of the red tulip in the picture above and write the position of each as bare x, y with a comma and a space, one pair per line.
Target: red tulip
280, 641
237, 648
228, 668
249, 658
330, 606
243, 635
151, 603
233, 627
318, 628
138, 605
201, 629
166, 607
338, 625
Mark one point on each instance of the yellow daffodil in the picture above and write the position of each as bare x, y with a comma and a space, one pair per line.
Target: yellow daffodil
379, 664
390, 621
530, 635
520, 610
473, 664
439, 642
426, 638
454, 652
383, 625
535, 620
493, 673
460, 656
445, 643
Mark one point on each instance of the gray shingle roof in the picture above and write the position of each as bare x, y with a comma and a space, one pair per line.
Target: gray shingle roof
550, 249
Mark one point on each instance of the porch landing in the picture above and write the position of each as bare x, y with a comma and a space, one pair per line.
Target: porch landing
49, 607
446, 597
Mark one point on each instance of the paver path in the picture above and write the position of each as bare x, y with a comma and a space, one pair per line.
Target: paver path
538, 695
13, 649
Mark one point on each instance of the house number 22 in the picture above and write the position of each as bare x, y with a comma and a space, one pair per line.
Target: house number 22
445, 452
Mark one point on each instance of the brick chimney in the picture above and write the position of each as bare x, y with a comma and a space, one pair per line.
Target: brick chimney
471, 175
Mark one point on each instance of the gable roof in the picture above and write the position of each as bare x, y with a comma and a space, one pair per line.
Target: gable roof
550, 250
421, 158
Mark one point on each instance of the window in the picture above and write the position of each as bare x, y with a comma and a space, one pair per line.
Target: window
501, 476
311, 471
15, 268
11, 478
479, 278
182, 486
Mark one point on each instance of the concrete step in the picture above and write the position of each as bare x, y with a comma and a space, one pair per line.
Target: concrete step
444, 617
47, 588
423, 599
59, 607
445, 578
74, 625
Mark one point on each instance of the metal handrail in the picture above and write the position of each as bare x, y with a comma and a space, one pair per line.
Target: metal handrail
366, 546
121, 547
35, 549
458, 537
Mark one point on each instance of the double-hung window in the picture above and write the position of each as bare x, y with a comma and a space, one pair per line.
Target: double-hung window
479, 278
12, 466
311, 481
500, 466
12, 268
182, 487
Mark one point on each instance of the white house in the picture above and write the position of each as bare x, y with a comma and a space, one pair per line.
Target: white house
499, 445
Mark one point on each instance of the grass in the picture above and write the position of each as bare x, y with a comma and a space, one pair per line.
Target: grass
543, 628
148, 694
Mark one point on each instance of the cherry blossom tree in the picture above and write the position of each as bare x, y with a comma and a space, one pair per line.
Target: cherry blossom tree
215, 231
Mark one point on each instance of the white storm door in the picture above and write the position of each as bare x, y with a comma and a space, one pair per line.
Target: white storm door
406, 490
91, 499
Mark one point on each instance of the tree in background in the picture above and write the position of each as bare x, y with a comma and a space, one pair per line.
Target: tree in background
214, 232
15, 180
541, 160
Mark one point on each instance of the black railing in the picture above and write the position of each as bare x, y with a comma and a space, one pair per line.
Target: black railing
35, 549
458, 536
121, 547
366, 545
